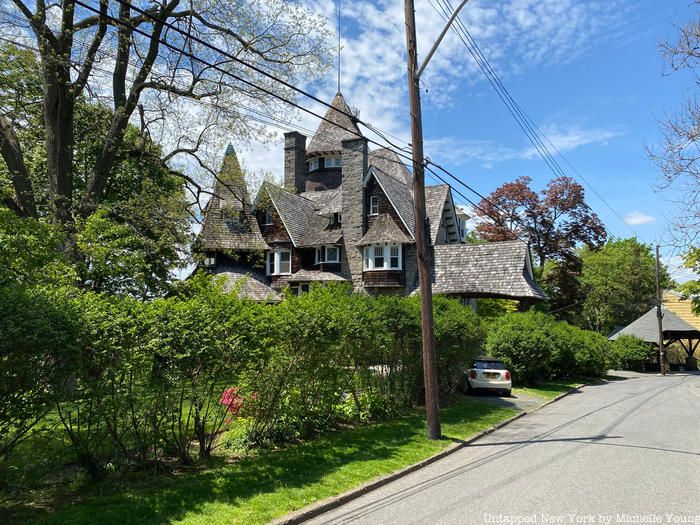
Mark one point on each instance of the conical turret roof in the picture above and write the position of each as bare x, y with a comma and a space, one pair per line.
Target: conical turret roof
228, 220
337, 127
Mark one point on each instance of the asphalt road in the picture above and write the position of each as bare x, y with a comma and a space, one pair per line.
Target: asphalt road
625, 451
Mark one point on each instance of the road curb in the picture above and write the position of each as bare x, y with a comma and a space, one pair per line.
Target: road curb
316, 509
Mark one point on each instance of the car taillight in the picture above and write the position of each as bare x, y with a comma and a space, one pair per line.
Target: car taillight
472, 374
507, 375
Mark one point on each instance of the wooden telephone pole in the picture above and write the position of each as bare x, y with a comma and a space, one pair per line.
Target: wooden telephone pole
422, 249
659, 314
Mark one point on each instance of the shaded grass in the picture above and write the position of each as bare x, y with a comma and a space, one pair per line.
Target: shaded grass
550, 389
258, 489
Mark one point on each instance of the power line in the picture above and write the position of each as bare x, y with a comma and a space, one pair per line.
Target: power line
532, 131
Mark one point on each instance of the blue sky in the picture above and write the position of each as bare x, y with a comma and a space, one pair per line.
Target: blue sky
590, 74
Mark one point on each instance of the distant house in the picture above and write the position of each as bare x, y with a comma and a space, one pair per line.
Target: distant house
345, 214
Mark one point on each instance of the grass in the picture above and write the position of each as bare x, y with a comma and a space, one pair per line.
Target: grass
261, 488
550, 389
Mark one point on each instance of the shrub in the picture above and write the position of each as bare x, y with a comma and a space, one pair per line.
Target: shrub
39, 330
628, 352
524, 342
536, 347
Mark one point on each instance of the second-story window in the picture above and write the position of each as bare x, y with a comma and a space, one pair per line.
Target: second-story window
279, 262
373, 205
332, 162
268, 217
327, 254
383, 257
313, 164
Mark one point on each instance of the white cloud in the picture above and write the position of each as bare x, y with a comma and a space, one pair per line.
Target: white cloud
457, 151
635, 218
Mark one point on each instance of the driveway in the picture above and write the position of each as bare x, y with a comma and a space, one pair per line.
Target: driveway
620, 452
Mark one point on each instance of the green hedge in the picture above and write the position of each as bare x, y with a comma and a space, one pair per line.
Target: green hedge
134, 383
536, 347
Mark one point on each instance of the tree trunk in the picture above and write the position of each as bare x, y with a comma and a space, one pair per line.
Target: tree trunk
19, 175
59, 108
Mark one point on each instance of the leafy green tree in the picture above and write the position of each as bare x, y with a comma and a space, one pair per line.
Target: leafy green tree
619, 283
138, 59
139, 233
691, 289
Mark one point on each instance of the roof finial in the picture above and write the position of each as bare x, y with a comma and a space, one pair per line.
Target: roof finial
339, 46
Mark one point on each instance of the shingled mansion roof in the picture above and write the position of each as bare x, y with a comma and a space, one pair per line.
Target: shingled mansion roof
500, 269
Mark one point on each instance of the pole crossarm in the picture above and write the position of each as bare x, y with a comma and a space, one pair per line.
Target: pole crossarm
430, 54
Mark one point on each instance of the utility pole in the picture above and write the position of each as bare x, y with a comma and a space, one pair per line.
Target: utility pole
422, 250
659, 314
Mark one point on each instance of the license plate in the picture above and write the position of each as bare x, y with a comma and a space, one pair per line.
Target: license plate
492, 375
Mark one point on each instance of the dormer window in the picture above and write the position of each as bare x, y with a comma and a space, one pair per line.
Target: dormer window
336, 219
374, 205
314, 164
268, 218
209, 260
232, 218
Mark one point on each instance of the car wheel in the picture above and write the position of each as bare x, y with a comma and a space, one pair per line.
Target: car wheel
507, 393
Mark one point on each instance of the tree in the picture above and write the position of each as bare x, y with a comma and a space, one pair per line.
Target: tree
691, 289
556, 220
140, 231
149, 63
678, 158
619, 282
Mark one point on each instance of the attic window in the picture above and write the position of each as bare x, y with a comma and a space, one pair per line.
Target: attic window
336, 219
268, 217
314, 164
374, 205
233, 220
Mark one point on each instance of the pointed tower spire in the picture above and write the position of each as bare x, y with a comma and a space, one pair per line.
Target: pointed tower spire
338, 125
229, 150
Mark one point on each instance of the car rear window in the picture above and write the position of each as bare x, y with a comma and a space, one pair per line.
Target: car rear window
490, 365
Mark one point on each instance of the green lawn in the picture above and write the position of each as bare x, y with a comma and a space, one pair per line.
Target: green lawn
258, 489
550, 389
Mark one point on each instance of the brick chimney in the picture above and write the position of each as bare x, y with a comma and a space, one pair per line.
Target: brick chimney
295, 162
354, 171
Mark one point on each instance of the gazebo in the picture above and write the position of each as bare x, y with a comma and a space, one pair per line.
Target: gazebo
675, 330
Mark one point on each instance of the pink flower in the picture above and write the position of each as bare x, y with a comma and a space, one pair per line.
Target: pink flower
232, 400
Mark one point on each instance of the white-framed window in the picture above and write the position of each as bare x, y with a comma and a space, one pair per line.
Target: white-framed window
336, 219
394, 257
373, 205
279, 262
333, 162
383, 257
210, 260
327, 254
268, 217
313, 164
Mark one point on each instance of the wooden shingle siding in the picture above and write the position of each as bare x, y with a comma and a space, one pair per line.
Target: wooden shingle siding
385, 208
274, 233
384, 278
